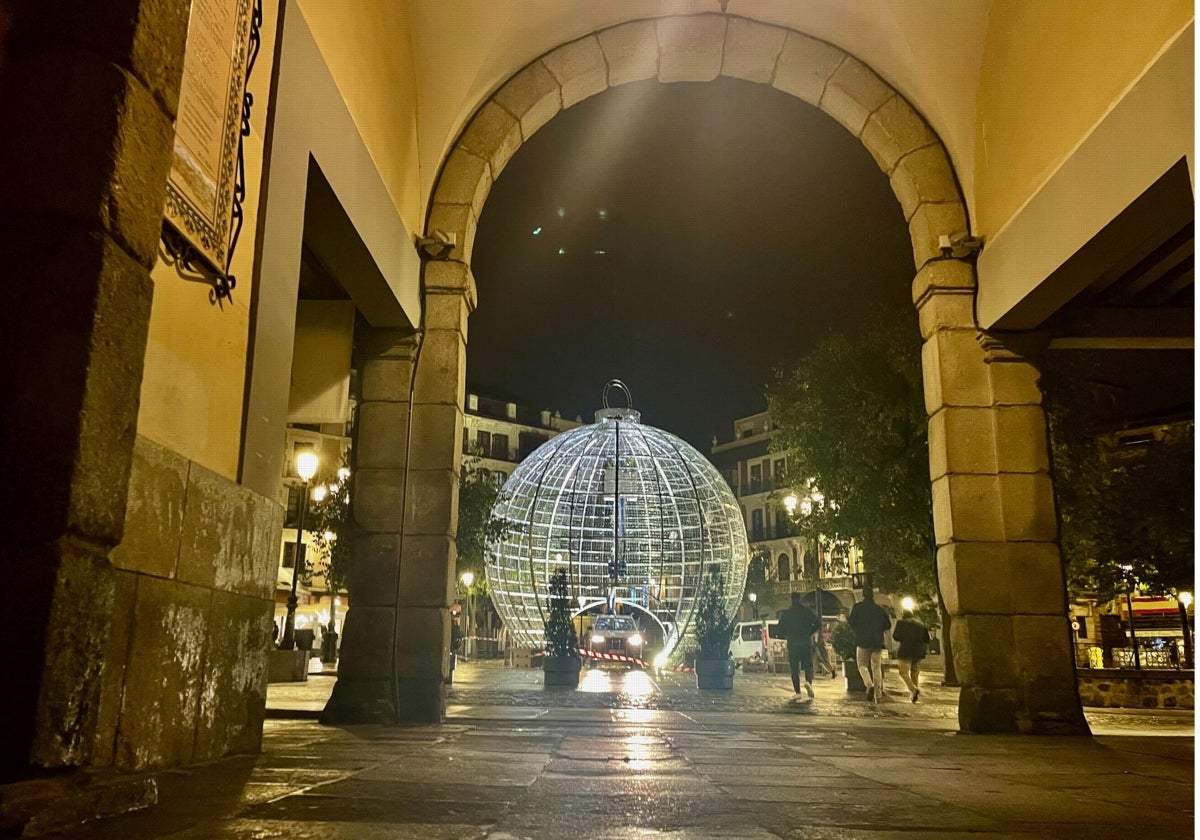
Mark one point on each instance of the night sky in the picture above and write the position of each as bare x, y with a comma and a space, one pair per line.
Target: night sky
685, 238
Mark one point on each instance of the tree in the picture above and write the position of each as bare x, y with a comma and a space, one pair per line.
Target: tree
1118, 506
851, 415
561, 640
329, 520
477, 527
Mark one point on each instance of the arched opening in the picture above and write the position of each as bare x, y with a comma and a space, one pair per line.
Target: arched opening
991, 490
784, 571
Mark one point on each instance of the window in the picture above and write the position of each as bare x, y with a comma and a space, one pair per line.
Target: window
779, 470
755, 478
466, 441
484, 441
756, 525
500, 447
289, 555
501, 477
785, 568
751, 632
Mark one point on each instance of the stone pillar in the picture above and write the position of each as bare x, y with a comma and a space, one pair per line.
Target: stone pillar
88, 94
365, 691
999, 564
427, 564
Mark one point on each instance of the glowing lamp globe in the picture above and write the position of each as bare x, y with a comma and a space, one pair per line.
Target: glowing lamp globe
635, 515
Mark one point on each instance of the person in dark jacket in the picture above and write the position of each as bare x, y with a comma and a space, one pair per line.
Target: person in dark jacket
798, 623
913, 637
869, 621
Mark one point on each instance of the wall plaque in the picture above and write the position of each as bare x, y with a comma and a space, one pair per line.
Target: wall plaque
204, 180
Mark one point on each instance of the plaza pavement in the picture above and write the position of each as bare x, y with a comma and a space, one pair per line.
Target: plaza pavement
639, 755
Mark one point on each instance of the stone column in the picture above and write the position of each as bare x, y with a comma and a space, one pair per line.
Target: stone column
365, 691
999, 564
427, 563
88, 94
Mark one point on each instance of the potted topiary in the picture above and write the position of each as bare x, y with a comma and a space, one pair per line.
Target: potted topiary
714, 632
560, 665
843, 645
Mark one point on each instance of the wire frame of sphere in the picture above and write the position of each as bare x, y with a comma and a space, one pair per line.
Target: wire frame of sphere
676, 518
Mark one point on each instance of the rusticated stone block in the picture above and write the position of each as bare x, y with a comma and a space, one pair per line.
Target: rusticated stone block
145, 37
1001, 578
987, 711
579, 69
386, 380
112, 678
216, 544
967, 508
465, 179
985, 653
493, 135
751, 50
116, 181
1021, 439
154, 515
442, 368
427, 572
1028, 502
961, 440
532, 96
1015, 383
447, 312
73, 398
422, 635
946, 311
436, 437
420, 701
164, 676
378, 501
267, 521
382, 435
631, 51
458, 219
894, 130
366, 645
690, 48
805, 66
932, 221
852, 93
954, 371
937, 278
375, 570
234, 693
924, 176
432, 503
450, 278
80, 614
360, 700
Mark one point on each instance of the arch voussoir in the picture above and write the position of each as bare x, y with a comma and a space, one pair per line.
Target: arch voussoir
924, 175
533, 96
579, 68
691, 49
853, 93
805, 66
893, 130
752, 50
494, 135
630, 51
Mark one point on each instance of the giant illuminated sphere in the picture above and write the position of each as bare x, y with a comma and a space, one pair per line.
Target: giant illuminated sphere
676, 519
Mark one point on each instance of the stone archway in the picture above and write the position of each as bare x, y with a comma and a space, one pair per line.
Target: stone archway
999, 562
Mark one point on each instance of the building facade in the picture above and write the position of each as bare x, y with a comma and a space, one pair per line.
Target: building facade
499, 434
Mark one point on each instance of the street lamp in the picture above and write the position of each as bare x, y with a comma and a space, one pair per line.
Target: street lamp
1127, 575
1185, 601
306, 468
468, 578
907, 603
754, 604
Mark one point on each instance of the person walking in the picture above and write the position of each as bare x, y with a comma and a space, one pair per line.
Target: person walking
869, 621
913, 637
798, 623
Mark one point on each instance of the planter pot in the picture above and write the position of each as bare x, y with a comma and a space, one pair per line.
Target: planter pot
854, 680
714, 673
561, 670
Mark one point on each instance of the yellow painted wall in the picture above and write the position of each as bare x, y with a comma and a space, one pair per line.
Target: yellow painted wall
195, 367
369, 54
1050, 71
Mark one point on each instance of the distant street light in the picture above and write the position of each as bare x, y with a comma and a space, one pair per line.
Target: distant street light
1127, 576
754, 603
1185, 601
907, 603
468, 578
306, 468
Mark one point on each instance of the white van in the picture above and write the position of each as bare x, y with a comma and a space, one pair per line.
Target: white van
748, 639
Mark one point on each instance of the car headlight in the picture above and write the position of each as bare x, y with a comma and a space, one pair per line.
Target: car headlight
597, 640
635, 639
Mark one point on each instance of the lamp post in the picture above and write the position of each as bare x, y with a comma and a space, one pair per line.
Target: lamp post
468, 578
1127, 575
306, 468
754, 604
1185, 601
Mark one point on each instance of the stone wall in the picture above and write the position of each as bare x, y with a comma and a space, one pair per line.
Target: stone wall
185, 669
1131, 689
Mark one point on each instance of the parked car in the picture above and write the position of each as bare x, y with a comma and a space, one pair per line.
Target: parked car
748, 639
615, 634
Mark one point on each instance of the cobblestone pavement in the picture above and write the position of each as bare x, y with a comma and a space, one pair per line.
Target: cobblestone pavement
515, 761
